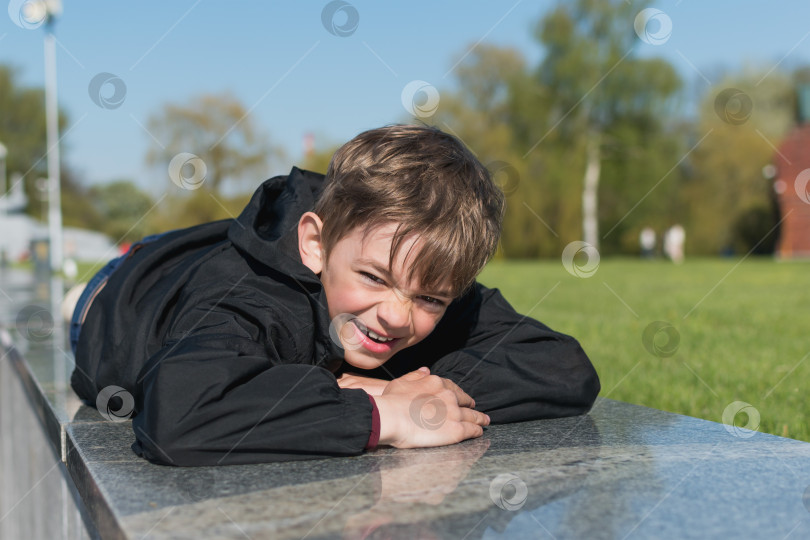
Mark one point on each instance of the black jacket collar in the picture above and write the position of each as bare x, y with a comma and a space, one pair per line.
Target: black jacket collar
267, 231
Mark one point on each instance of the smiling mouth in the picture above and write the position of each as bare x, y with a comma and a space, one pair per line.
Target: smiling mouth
371, 334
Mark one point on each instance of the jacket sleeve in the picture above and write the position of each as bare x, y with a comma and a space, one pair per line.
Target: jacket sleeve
515, 367
226, 389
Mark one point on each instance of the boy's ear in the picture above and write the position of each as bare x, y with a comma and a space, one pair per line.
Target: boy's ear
309, 241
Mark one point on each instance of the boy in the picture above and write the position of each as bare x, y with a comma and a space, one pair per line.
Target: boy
335, 314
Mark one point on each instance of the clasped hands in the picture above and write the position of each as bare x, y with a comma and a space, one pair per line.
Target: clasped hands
421, 410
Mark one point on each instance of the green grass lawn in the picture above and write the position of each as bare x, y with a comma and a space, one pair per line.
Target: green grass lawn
740, 332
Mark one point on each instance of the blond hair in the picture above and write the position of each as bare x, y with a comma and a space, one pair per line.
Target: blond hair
430, 185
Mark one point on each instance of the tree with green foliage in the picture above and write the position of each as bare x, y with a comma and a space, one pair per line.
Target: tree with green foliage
590, 118
78, 207
609, 104
732, 207
22, 131
176, 211
219, 130
124, 208
318, 160
482, 114
22, 124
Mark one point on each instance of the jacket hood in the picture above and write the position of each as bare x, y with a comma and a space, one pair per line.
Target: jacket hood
267, 229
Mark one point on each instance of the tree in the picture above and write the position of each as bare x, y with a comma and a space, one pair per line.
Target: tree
318, 160
217, 129
602, 96
22, 131
494, 104
731, 202
177, 211
22, 125
124, 209
590, 110
78, 207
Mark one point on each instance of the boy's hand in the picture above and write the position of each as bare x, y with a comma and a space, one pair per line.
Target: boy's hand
372, 386
421, 410
375, 387
402, 383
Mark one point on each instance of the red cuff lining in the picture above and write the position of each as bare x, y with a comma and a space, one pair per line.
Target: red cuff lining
374, 438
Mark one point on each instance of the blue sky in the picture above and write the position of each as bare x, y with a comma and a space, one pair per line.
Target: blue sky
297, 78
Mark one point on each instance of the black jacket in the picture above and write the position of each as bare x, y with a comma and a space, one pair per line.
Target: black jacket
221, 335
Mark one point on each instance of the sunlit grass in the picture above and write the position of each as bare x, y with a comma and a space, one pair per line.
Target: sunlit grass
87, 270
742, 335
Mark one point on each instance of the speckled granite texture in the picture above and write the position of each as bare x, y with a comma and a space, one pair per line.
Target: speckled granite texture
622, 471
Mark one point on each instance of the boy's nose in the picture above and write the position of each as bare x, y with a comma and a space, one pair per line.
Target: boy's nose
395, 312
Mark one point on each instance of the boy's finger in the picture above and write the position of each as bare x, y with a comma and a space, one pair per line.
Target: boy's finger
416, 374
463, 398
475, 417
472, 430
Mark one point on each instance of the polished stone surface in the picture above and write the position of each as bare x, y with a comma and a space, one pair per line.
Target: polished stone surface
38, 499
32, 475
622, 471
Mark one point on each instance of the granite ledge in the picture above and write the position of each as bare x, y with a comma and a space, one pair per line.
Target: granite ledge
620, 471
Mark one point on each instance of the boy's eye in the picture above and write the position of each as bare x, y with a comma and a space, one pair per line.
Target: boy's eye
372, 278
433, 302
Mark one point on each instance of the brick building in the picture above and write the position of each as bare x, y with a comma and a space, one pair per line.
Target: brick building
792, 185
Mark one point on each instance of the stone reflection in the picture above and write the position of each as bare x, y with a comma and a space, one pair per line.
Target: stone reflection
415, 478
577, 485
612, 502
551, 470
583, 479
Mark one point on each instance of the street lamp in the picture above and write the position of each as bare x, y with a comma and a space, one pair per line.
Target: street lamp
36, 11
3, 197
3, 154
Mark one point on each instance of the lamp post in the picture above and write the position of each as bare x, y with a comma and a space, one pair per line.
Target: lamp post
48, 10
3, 154
3, 198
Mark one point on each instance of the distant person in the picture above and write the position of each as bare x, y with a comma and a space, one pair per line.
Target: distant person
647, 241
70, 269
674, 239
334, 314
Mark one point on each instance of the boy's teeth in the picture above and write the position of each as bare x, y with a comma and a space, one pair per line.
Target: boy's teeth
373, 334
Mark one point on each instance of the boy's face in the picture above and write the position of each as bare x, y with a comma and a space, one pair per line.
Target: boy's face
362, 296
